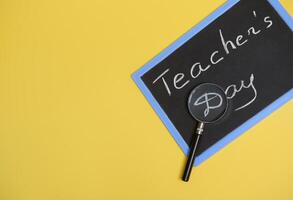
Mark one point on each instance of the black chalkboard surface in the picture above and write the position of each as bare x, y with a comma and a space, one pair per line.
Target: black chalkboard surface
246, 47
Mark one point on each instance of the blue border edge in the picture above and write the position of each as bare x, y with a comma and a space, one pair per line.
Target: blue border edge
136, 76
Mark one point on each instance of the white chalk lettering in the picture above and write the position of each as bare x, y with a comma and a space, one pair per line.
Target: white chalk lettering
218, 60
164, 81
268, 21
238, 40
252, 30
199, 69
177, 79
232, 90
226, 43
206, 98
227, 46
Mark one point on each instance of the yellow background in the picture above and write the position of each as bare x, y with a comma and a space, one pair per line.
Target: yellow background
64, 134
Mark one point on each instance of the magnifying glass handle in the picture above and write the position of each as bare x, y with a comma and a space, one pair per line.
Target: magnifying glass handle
191, 156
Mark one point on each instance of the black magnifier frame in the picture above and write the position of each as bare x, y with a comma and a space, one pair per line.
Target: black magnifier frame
202, 89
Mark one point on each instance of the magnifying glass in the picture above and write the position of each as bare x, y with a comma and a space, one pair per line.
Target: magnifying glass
207, 103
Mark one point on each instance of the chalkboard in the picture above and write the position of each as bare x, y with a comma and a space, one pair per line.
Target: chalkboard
246, 47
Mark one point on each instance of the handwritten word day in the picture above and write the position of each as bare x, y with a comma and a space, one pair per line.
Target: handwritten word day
180, 80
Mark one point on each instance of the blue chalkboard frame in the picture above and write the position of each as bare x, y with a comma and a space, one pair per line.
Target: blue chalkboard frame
166, 52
